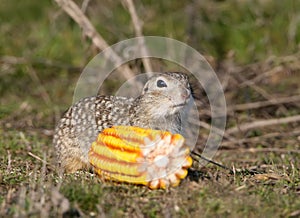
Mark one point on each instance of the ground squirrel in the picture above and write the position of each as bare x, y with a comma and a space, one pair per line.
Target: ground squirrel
160, 106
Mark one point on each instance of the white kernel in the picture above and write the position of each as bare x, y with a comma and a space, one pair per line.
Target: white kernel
161, 161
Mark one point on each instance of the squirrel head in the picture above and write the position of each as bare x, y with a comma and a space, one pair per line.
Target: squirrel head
162, 102
165, 94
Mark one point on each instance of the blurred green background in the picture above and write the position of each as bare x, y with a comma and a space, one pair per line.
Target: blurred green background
38, 35
252, 29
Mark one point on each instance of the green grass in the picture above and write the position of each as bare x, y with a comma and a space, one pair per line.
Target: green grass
34, 92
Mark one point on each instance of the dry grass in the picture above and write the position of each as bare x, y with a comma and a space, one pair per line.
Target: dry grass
264, 161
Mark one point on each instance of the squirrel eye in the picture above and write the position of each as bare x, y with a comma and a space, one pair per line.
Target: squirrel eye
160, 83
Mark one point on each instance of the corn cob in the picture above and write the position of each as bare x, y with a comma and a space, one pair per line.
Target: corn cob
149, 157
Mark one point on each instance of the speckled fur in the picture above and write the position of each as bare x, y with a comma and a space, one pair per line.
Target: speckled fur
156, 108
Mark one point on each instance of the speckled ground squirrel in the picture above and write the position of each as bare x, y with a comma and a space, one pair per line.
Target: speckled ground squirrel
160, 106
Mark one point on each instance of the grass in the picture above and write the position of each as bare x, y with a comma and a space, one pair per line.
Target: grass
35, 90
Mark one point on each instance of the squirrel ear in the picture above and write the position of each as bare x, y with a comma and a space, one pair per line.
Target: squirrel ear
145, 88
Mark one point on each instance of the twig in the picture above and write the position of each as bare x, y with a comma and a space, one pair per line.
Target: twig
263, 123
37, 157
227, 145
13, 60
8, 161
134, 17
292, 61
259, 104
210, 161
75, 12
216, 130
295, 213
268, 73
251, 84
42, 160
278, 150
84, 5
260, 91
138, 32
89, 30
